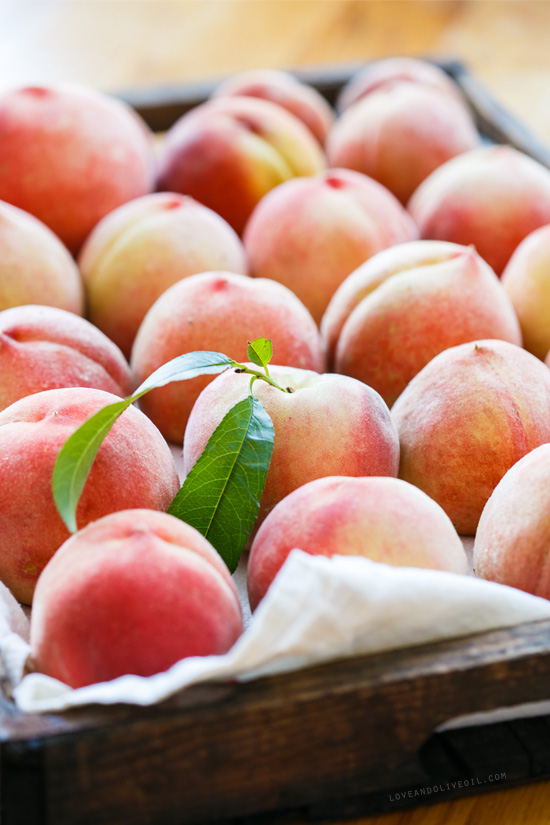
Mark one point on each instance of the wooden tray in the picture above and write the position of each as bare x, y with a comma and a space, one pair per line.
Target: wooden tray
344, 739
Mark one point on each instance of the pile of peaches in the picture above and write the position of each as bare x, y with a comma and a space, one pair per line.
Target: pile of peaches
400, 268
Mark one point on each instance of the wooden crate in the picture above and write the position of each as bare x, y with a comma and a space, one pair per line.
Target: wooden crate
341, 738
351, 737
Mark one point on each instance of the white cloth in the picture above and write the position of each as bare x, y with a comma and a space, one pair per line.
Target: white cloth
14, 637
317, 609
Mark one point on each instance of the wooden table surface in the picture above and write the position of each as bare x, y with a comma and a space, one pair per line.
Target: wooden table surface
120, 44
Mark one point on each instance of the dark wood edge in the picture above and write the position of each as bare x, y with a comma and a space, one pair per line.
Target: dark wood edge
319, 742
494, 122
161, 106
508, 648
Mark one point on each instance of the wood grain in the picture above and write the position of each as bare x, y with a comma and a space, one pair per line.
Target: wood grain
119, 45
350, 736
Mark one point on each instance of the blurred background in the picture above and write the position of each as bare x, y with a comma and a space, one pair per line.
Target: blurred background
119, 44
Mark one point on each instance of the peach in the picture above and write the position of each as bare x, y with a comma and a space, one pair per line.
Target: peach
391, 71
408, 303
301, 100
144, 247
513, 537
218, 311
35, 267
42, 348
70, 155
526, 279
310, 234
384, 519
328, 425
491, 197
134, 592
134, 468
398, 135
229, 152
466, 418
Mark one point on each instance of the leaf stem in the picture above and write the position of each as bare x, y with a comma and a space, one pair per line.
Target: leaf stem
267, 378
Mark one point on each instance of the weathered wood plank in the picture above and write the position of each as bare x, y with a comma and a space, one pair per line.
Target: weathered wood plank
345, 729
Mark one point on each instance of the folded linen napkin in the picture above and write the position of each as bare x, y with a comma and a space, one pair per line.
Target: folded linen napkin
317, 609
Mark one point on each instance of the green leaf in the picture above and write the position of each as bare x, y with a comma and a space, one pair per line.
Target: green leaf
77, 455
183, 367
221, 494
260, 352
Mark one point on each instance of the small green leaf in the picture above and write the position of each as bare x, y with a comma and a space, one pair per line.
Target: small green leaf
260, 351
78, 453
76, 457
221, 494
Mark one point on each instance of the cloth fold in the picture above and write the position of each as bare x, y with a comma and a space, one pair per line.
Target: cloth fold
318, 609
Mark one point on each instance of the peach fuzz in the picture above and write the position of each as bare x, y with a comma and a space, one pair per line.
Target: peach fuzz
43, 348
220, 312
408, 303
35, 267
387, 73
134, 468
398, 135
301, 100
492, 197
384, 519
466, 418
141, 249
328, 425
70, 155
134, 592
513, 538
230, 151
310, 234
526, 279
